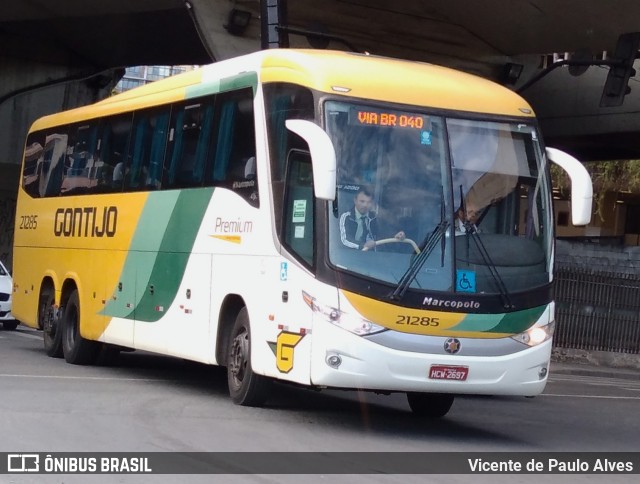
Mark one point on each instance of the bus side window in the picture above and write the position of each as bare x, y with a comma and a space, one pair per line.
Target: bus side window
113, 144
189, 141
79, 166
147, 149
298, 225
50, 180
234, 162
33, 163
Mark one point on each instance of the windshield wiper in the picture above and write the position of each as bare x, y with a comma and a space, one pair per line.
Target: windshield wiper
471, 231
425, 251
504, 293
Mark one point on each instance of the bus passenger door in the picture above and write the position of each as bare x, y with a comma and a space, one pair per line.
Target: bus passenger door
292, 343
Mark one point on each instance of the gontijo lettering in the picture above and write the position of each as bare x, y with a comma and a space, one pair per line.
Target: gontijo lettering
86, 222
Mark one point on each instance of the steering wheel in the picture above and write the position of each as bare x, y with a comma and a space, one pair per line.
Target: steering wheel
393, 240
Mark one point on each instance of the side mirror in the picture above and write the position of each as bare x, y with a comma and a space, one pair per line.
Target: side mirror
323, 156
581, 186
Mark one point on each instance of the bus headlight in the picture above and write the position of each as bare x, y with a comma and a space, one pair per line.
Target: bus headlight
351, 322
536, 334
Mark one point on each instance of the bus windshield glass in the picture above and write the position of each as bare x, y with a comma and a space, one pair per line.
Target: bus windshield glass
473, 194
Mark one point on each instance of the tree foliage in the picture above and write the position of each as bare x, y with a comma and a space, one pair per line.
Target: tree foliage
607, 176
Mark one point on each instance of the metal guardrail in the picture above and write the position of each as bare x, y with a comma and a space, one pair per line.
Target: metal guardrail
597, 310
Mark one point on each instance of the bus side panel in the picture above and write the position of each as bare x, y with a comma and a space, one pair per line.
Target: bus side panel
75, 239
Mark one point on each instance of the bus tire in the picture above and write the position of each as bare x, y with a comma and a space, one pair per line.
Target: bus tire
76, 349
430, 405
10, 325
245, 387
49, 322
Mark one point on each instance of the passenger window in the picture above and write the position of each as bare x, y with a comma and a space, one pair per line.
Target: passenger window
113, 143
189, 142
299, 206
234, 162
147, 149
33, 163
52, 163
80, 162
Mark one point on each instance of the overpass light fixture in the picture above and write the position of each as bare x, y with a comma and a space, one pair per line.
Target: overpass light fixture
237, 22
511, 73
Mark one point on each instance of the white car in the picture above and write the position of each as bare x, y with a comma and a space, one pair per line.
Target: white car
6, 289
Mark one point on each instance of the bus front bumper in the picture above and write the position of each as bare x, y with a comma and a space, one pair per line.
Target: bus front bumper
344, 360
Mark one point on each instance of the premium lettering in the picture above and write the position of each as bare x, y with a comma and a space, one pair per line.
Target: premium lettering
233, 226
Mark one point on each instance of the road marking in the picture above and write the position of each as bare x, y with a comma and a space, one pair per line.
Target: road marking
599, 381
603, 397
56, 377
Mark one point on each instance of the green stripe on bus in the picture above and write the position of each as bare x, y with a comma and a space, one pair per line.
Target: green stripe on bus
159, 254
478, 322
143, 250
519, 321
246, 79
171, 262
512, 323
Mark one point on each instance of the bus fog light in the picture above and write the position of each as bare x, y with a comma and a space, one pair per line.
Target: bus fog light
543, 372
334, 361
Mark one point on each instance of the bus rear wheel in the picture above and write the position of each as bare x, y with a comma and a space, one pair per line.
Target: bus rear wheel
430, 405
77, 350
245, 387
48, 320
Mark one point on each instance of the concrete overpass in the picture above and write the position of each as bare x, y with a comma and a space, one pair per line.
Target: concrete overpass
58, 54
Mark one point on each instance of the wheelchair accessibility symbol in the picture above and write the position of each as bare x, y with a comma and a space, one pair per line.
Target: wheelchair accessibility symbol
465, 281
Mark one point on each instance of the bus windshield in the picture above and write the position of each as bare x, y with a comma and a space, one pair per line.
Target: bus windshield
473, 194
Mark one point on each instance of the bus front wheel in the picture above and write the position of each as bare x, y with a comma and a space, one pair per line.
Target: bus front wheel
10, 325
77, 350
430, 405
49, 321
245, 387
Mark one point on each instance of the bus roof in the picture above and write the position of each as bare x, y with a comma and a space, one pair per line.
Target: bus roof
396, 80
339, 73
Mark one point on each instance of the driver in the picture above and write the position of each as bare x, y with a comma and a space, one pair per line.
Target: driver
359, 226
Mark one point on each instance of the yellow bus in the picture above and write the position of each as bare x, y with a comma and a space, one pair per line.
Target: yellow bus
330, 219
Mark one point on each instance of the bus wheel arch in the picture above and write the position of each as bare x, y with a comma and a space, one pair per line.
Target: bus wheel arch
229, 310
76, 349
49, 319
245, 387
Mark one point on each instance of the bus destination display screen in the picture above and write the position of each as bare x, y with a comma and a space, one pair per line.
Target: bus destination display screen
391, 119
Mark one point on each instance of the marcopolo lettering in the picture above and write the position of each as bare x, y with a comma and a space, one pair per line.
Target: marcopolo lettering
86, 222
449, 303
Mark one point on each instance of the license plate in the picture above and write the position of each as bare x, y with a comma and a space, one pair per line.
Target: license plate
441, 372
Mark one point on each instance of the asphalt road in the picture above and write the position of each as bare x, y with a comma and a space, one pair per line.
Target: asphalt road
149, 403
